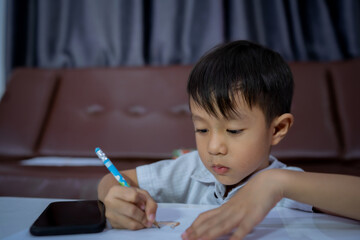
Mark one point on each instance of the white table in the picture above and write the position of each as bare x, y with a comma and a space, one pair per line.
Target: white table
17, 215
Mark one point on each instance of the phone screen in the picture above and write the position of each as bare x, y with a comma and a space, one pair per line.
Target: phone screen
70, 217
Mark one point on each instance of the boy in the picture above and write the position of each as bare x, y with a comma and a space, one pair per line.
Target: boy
240, 96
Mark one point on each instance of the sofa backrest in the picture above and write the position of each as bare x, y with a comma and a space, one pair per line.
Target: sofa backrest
142, 112
345, 78
130, 112
139, 112
24, 108
314, 133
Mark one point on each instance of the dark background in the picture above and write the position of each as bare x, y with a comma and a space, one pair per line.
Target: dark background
88, 33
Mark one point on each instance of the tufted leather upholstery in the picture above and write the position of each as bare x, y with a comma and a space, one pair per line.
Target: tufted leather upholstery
139, 115
129, 112
23, 110
346, 88
313, 134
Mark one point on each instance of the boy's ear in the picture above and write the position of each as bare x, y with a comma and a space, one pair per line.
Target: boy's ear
280, 127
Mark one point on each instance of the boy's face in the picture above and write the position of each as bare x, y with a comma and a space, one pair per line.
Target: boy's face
232, 149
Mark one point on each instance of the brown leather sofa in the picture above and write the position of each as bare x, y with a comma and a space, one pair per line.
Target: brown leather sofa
139, 115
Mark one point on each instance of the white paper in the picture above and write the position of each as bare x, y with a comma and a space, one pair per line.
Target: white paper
61, 161
280, 223
166, 212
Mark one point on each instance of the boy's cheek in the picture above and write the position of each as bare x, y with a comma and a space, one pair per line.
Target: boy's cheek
201, 147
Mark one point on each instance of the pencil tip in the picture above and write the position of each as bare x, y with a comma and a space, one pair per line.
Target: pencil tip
156, 224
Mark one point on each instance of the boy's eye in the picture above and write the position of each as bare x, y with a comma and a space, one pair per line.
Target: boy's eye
201, 130
234, 131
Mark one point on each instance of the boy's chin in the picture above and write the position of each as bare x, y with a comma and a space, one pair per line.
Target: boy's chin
229, 182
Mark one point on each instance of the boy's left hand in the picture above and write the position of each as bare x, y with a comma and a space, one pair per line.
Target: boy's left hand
247, 208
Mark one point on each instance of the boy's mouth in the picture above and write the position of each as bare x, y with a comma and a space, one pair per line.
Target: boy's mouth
219, 169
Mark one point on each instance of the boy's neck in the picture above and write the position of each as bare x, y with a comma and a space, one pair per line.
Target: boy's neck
228, 188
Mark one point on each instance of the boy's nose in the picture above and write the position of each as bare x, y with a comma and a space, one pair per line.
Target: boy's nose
217, 145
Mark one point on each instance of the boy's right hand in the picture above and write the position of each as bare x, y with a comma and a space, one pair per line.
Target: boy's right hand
129, 207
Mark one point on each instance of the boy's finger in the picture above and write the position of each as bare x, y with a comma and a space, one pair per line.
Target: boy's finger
142, 207
215, 228
123, 208
223, 224
210, 225
200, 226
150, 208
241, 231
129, 195
122, 221
205, 217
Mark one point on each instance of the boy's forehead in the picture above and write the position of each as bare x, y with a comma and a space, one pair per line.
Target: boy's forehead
240, 109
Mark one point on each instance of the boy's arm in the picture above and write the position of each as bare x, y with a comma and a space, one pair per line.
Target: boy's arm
126, 207
331, 193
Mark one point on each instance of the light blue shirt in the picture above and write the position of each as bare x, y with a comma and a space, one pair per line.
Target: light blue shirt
186, 180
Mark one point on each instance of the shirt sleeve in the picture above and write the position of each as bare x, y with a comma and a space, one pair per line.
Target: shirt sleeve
168, 180
289, 203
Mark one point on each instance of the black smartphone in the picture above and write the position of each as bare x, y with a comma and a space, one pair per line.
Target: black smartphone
70, 217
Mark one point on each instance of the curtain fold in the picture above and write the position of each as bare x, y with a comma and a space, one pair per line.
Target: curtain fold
181, 31
89, 33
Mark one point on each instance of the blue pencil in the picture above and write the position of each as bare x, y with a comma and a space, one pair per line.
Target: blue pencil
110, 166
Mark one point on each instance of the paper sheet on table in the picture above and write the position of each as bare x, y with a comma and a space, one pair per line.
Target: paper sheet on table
62, 161
185, 214
280, 223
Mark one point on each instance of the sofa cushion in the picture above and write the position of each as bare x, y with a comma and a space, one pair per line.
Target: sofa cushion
51, 182
346, 86
128, 112
23, 111
313, 134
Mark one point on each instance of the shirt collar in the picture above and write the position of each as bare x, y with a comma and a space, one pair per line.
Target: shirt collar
205, 176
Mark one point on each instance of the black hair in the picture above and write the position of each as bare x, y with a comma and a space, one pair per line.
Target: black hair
260, 75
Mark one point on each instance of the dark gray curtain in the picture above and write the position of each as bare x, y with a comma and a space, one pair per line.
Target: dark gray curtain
85, 33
